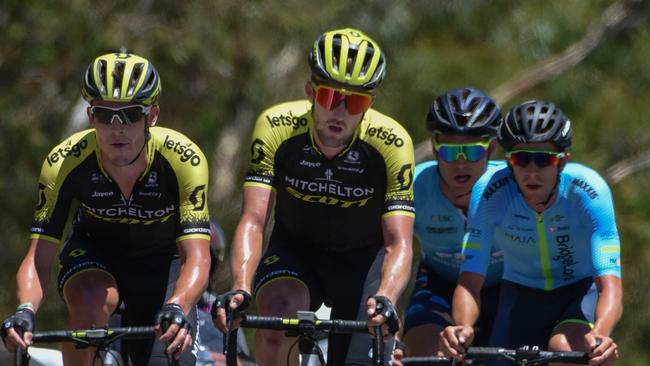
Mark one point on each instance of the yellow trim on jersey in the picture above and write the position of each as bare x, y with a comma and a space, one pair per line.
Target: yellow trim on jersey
399, 213
260, 185
476, 246
65, 285
281, 278
45, 237
192, 236
610, 249
575, 321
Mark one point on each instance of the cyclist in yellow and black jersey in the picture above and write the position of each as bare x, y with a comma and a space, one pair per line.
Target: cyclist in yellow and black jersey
141, 230
369, 178
167, 204
340, 177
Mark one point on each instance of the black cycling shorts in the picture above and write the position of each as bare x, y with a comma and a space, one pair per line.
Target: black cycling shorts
431, 299
341, 280
143, 285
528, 316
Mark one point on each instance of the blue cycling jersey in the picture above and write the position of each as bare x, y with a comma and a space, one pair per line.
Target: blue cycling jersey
575, 238
440, 226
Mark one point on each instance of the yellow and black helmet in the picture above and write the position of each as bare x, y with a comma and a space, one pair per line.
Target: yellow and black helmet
121, 77
348, 56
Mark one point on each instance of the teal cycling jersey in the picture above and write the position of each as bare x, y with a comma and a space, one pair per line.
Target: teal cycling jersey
575, 238
440, 226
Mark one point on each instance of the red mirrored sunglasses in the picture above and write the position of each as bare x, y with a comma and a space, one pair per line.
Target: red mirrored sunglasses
329, 98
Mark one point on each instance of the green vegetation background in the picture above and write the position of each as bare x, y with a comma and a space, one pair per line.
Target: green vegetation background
222, 62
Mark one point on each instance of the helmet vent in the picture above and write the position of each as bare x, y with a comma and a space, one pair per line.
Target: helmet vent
118, 75
135, 76
101, 70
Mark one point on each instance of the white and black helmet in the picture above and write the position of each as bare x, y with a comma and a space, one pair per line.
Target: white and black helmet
464, 111
535, 121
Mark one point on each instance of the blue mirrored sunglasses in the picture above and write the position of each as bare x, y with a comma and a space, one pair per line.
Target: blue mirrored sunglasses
474, 151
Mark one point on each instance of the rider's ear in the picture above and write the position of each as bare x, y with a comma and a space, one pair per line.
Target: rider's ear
492, 148
309, 90
153, 115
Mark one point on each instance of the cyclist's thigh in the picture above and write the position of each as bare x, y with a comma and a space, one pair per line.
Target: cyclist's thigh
428, 312
524, 317
284, 282
145, 285
485, 323
85, 277
527, 316
349, 279
577, 319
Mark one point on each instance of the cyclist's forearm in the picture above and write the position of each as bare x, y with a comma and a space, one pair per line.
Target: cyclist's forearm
609, 307
466, 302
396, 268
193, 277
33, 275
245, 255
395, 271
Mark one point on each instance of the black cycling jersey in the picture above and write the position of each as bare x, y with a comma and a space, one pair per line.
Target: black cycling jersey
332, 204
169, 199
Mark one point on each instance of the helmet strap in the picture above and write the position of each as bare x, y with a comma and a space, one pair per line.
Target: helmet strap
147, 135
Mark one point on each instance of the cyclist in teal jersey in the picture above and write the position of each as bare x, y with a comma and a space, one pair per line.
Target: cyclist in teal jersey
140, 233
555, 223
464, 124
338, 175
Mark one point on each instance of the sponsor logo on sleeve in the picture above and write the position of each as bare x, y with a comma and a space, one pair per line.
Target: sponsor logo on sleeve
257, 151
197, 198
386, 135
186, 152
405, 176
591, 192
287, 120
68, 150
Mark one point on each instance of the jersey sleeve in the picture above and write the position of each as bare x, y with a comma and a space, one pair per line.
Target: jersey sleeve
597, 203
272, 127
191, 169
56, 189
394, 143
485, 211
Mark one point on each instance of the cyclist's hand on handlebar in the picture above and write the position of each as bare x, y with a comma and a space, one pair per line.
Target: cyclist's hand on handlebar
174, 329
602, 349
230, 305
381, 312
17, 329
399, 353
454, 340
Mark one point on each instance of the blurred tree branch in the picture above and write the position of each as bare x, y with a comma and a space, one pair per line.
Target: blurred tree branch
621, 15
624, 168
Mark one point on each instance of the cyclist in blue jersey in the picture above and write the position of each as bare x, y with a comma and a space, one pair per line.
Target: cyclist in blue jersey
463, 123
555, 223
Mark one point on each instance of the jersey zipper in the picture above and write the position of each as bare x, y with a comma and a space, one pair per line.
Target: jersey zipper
544, 256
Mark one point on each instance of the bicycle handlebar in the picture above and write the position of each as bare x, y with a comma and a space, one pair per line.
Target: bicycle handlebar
98, 337
521, 356
277, 323
101, 335
526, 354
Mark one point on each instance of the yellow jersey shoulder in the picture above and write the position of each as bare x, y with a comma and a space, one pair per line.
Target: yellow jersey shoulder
67, 155
383, 132
178, 149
